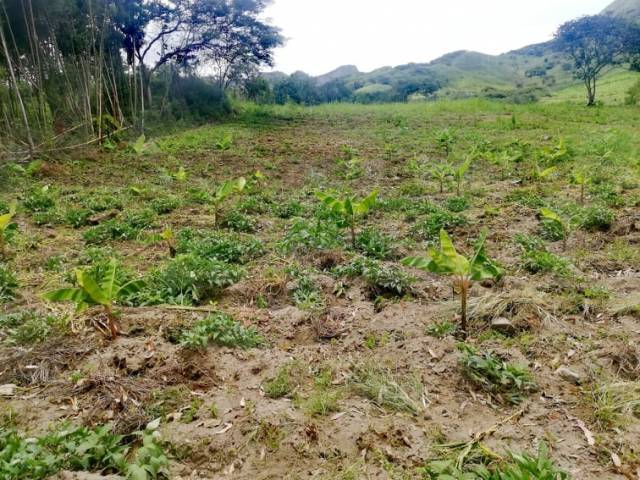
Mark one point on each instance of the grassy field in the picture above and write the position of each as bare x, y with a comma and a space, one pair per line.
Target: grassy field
265, 341
612, 89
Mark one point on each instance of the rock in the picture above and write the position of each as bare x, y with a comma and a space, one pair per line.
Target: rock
8, 390
102, 217
503, 325
569, 375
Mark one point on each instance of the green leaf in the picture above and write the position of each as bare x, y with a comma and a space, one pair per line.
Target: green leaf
92, 289
551, 215
75, 295
130, 288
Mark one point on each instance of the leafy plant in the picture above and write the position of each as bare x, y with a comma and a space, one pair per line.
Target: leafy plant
29, 327
596, 217
305, 235
580, 178
225, 247
446, 261
539, 174
429, 228
5, 222
381, 279
491, 373
189, 279
138, 146
221, 329
39, 199
445, 140
440, 172
349, 209
457, 204
563, 224
225, 191
374, 243
459, 172
225, 142
104, 290
8, 284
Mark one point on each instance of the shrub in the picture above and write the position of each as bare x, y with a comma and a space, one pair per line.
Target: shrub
8, 284
221, 329
505, 381
189, 279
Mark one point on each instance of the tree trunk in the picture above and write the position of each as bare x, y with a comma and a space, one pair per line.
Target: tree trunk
591, 91
16, 87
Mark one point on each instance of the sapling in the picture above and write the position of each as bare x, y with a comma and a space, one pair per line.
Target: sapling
440, 172
538, 174
563, 223
5, 221
459, 173
224, 191
349, 209
138, 146
104, 291
580, 178
464, 271
445, 140
225, 142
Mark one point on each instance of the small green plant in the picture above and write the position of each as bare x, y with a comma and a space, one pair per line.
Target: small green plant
442, 329
39, 200
189, 279
580, 178
440, 172
102, 290
165, 204
221, 329
374, 243
457, 204
459, 172
503, 380
225, 142
596, 218
285, 381
5, 222
557, 223
29, 327
381, 279
305, 235
349, 209
224, 192
539, 175
222, 246
8, 284
445, 141
138, 147
446, 261
429, 228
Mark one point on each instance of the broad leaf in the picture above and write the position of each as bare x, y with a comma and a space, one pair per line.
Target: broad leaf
75, 295
92, 289
551, 215
130, 288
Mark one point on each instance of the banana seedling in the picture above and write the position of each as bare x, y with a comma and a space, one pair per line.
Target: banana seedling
5, 221
349, 209
580, 178
459, 172
105, 291
440, 172
225, 142
224, 191
539, 175
138, 146
563, 223
464, 271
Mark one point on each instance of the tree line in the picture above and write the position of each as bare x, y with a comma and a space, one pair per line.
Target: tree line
92, 67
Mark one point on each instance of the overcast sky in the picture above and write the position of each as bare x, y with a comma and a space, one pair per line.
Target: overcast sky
324, 34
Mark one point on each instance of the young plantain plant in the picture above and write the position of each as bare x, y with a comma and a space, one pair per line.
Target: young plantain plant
464, 271
105, 291
459, 173
5, 221
580, 178
440, 172
349, 209
224, 191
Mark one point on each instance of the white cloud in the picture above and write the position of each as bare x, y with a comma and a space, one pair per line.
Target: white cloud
324, 34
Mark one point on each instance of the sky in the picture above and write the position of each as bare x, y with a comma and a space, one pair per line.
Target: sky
325, 34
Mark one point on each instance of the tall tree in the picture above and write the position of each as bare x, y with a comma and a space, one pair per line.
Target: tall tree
596, 44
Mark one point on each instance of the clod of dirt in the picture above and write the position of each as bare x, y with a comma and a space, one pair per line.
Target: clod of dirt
503, 325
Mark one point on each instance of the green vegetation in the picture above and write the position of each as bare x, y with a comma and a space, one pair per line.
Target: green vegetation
446, 261
220, 329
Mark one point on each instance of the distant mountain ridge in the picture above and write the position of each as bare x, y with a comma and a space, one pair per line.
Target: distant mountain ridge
468, 73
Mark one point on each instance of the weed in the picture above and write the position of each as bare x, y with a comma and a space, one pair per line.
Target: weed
39, 199
381, 279
224, 247
429, 228
286, 380
29, 328
503, 380
189, 279
385, 389
374, 244
221, 329
8, 284
289, 209
596, 218
457, 204
442, 329
304, 236
614, 402
322, 402
239, 222
165, 204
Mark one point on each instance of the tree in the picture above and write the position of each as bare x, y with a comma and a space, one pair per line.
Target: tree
595, 44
